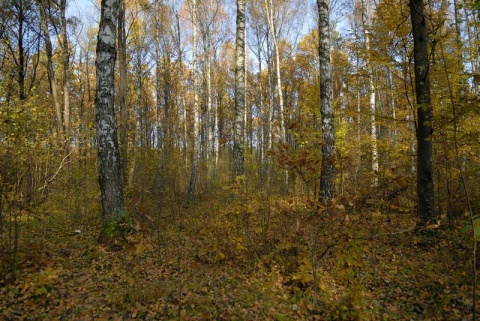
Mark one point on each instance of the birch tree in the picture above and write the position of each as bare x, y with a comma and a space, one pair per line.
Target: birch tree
196, 136
238, 143
327, 180
113, 211
366, 20
273, 32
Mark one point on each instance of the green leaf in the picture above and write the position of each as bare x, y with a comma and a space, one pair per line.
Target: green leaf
476, 230
281, 317
467, 228
41, 291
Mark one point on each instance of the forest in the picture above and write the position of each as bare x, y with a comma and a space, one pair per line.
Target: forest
239, 160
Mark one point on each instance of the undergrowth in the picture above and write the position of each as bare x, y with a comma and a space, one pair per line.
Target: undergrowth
238, 256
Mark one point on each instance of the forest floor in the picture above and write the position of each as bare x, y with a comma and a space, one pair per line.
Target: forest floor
247, 260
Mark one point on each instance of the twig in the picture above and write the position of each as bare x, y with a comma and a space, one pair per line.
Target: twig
62, 164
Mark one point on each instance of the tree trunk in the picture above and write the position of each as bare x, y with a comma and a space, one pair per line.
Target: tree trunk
114, 215
122, 90
327, 179
271, 27
391, 84
50, 71
425, 190
66, 69
238, 143
196, 136
366, 20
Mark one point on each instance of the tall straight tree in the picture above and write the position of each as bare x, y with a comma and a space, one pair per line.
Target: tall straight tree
50, 69
425, 191
113, 212
196, 113
66, 69
238, 152
366, 22
122, 88
327, 179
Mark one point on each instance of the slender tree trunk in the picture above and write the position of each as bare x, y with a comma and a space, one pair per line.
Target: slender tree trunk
50, 70
238, 143
327, 179
271, 27
122, 90
425, 190
158, 93
21, 66
208, 80
392, 105
66, 70
366, 19
245, 108
196, 132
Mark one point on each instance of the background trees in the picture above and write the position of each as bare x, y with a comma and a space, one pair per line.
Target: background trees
184, 111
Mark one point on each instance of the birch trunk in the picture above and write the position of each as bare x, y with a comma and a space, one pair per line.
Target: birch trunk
196, 136
271, 27
425, 189
366, 20
113, 212
327, 179
238, 143
208, 80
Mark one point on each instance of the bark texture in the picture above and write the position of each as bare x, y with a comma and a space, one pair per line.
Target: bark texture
327, 179
113, 212
238, 143
425, 191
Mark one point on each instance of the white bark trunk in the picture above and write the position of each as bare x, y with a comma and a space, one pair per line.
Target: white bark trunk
271, 27
327, 179
366, 18
239, 121
196, 136
108, 154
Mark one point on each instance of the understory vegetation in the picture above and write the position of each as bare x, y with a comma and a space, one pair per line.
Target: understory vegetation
236, 254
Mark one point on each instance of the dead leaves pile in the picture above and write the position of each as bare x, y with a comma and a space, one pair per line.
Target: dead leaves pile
179, 274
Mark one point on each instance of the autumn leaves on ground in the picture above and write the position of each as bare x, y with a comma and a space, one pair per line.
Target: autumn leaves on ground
236, 255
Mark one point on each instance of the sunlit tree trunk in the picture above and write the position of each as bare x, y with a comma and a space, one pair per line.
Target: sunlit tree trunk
366, 19
425, 189
196, 136
50, 71
271, 27
327, 179
208, 80
113, 212
66, 70
238, 143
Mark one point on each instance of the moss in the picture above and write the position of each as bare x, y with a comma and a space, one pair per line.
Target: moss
116, 229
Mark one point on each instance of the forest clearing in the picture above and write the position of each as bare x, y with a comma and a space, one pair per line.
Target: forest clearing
239, 160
